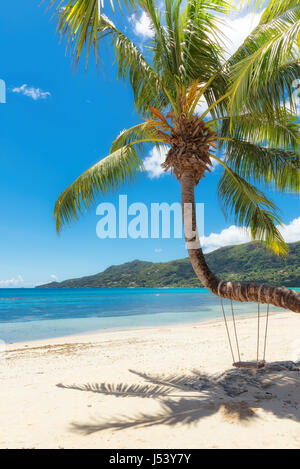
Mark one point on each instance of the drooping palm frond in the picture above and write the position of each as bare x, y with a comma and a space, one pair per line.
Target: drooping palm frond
274, 168
147, 85
280, 131
264, 148
145, 82
80, 22
251, 209
263, 69
280, 91
107, 175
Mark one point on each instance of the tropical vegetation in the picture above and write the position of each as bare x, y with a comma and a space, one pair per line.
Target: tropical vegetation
232, 263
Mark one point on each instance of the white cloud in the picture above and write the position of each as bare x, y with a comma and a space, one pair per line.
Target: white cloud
13, 282
238, 27
54, 277
157, 250
33, 93
142, 26
291, 232
237, 235
153, 162
227, 237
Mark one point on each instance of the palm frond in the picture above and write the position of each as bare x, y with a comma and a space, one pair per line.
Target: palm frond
267, 59
278, 92
203, 47
139, 135
201, 40
275, 131
107, 175
275, 8
80, 22
252, 209
83, 25
147, 85
274, 168
188, 48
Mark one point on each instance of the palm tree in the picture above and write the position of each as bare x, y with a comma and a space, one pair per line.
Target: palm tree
249, 119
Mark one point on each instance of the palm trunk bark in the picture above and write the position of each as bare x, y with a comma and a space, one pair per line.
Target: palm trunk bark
239, 291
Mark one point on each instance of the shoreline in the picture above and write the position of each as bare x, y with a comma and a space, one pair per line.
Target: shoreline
111, 330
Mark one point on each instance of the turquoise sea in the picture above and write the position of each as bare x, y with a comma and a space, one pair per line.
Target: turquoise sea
30, 314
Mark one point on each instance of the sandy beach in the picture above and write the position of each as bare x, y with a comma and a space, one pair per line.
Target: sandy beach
168, 387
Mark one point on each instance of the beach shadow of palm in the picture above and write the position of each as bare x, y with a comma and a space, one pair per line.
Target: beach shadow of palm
121, 389
186, 399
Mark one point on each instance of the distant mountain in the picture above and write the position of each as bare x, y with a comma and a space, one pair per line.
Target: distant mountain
247, 262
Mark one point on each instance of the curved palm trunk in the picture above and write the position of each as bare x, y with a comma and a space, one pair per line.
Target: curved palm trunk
239, 291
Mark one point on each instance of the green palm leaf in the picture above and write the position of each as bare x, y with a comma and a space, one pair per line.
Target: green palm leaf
276, 169
263, 61
107, 175
147, 85
142, 133
188, 47
80, 22
275, 8
277, 130
251, 209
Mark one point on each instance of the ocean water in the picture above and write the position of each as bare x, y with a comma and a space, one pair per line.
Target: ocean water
31, 314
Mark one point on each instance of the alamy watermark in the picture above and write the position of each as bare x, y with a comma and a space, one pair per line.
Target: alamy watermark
2, 92
161, 220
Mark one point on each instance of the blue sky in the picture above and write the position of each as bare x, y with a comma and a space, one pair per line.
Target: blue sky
57, 123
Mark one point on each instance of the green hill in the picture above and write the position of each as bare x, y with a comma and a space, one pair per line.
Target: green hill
246, 262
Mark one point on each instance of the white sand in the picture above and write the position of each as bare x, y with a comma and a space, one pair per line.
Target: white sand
178, 394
